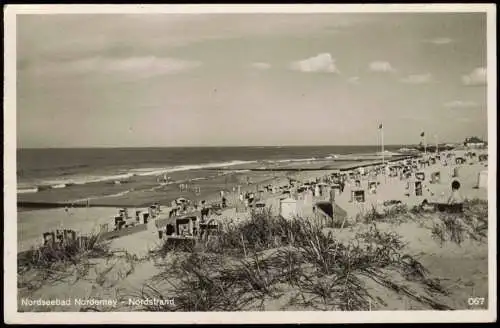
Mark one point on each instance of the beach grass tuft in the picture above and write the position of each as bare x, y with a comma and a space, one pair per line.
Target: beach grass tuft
457, 227
50, 262
67, 251
395, 214
326, 274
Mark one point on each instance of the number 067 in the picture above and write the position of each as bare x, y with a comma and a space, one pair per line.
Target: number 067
475, 301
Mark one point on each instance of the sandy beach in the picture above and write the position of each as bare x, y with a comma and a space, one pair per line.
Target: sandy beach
460, 267
68, 207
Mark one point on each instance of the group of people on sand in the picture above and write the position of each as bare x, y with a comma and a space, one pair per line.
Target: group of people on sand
180, 206
406, 169
412, 167
247, 198
328, 186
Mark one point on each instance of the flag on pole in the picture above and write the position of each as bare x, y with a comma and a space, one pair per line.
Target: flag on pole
380, 126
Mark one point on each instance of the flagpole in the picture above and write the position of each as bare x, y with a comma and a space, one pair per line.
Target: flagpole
382, 141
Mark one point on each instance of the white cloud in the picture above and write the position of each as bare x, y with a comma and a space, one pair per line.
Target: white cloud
476, 77
142, 66
320, 63
353, 80
261, 65
381, 66
418, 78
460, 104
440, 41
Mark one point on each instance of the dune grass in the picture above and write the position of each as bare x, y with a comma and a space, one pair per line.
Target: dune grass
449, 227
51, 262
269, 262
67, 251
263, 231
396, 214
457, 227
266, 259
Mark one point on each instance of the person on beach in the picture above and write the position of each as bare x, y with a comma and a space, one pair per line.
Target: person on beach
455, 197
251, 198
317, 191
332, 195
204, 211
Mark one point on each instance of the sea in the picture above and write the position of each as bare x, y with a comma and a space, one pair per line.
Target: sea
42, 170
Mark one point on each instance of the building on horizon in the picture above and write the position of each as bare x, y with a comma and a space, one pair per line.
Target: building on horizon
474, 142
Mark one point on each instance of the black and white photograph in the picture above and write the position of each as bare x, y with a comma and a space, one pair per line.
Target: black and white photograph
250, 163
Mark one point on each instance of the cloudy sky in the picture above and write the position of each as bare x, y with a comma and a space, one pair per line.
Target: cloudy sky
249, 79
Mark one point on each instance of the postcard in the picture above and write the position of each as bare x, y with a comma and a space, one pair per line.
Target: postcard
250, 163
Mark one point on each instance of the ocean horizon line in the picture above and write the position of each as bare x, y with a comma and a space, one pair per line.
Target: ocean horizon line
256, 146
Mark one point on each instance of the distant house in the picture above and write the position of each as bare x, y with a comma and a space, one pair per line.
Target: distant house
474, 142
